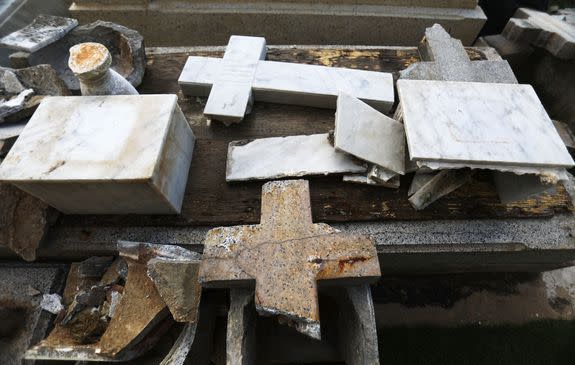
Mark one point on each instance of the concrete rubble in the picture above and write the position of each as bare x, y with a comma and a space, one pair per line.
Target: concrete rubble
286, 254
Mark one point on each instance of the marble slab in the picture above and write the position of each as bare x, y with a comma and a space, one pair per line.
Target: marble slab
45, 29
366, 180
104, 154
278, 157
368, 134
279, 82
479, 123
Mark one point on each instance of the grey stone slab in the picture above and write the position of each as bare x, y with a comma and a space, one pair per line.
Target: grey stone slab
368, 134
277, 157
23, 320
512, 187
366, 180
104, 154
542, 30
438, 186
240, 336
44, 30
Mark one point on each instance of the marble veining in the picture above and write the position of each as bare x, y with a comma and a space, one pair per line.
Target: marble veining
277, 157
278, 82
368, 134
91, 138
479, 123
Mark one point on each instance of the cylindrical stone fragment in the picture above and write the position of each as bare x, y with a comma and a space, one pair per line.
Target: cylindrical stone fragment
91, 63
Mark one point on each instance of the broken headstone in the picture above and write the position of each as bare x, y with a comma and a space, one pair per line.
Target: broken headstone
125, 45
90, 63
44, 30
243, 75
286, 254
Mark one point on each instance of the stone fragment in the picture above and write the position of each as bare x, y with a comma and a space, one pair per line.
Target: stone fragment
43, 79
19, 59
542, 30
512, 187
230, 82
24, 221
52, 303
104, 154
445, 59
240, 329
23, 320
177, 283
90, 62
565, 133
366, 180
420, 178
44, 30
477, 124
381, 174
286, 254
125, 45
94, 267
9, 82
368, 134
276, 157
15, 104
440, 185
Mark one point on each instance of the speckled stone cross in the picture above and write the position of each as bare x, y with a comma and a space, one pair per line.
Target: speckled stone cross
286, 254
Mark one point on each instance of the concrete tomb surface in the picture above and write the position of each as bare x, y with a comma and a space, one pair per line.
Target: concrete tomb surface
45, 29
542, 30
286, 254
230, 82
104, 154
277, 157
479, 124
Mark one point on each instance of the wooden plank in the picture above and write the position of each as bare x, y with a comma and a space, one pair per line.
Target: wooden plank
209, 200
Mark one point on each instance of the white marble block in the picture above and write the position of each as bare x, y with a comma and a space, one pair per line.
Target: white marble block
243, 74
368, 134
104, 154
479, 124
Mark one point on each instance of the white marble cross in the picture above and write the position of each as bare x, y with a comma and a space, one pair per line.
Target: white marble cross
242, 75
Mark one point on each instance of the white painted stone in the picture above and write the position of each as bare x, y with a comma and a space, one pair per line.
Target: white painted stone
45, 29
277, 157
479, 124
369, 135
104, 154
277, 82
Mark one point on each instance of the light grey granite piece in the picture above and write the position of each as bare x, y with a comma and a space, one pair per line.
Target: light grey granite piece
231, 95
45, 29
368, 134
445, 59
542, 30
90, 62
104, 154
479, 123
277, 82
366, 180
277, 157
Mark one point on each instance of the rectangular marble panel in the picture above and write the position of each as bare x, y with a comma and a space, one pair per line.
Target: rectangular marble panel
479, 123
277, 157
104, 154
368, 134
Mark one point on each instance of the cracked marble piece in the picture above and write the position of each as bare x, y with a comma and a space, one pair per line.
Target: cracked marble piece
276, 157
445, 59
104, 154
479, 123
366, 180
286, 254
226, 82
368, 134
381, 174
45, 29
542, 30
438, 186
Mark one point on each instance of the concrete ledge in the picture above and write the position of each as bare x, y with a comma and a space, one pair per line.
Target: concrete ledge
187, 24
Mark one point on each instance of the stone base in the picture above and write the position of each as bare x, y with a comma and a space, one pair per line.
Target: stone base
205, 24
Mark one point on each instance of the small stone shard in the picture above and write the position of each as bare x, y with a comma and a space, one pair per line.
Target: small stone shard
286, 254
44, 30
366, 180
52, 303
438, 186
